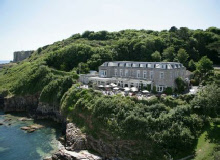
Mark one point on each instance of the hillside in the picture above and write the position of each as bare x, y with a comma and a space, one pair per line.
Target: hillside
154, 129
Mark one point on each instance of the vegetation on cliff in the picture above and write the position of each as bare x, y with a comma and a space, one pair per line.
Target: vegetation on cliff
159, 126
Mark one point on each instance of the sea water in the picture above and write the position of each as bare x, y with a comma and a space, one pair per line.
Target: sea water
4, 62
17, 144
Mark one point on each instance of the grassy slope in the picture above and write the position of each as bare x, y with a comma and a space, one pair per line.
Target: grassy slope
207, 142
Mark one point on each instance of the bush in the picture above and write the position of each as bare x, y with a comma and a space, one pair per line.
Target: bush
168, 91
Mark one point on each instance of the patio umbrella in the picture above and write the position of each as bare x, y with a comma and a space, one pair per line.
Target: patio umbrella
134, 89
145, 91
113, 85
116, 88
107, 86
127, 89
100, 86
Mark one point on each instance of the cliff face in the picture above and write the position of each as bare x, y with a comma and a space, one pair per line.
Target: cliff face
111, 148
75, 140
31, 104
21, 55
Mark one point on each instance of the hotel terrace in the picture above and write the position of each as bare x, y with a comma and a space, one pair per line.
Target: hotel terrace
136, 74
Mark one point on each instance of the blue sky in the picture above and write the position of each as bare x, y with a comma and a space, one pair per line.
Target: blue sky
29, 24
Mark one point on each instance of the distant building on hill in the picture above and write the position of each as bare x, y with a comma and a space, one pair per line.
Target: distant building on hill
137, 74
21, 55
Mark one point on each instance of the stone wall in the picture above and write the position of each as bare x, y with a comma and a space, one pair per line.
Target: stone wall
21, 55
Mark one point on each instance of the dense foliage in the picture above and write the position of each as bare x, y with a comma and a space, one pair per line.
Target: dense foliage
94, 48
169, 125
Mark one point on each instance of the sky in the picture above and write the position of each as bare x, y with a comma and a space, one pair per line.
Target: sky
30, 24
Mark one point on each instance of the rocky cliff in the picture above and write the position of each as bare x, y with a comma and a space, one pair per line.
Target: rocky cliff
32, 105
110, 148
75, 141
21, 55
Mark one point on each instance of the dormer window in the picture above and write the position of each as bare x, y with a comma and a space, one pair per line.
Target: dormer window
157, 65
112, 64
128, 64
135, 65
149, 65
143, 65
121, 64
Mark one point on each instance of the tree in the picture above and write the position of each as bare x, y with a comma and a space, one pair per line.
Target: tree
204, 66
156, 56
182, 56
192, 65
207, 101
180, 85
168, 53
173, 29
83, 68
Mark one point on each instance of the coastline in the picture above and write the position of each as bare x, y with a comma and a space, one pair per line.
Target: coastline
36, 110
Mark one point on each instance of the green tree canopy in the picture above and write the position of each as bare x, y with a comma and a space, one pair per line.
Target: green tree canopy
207, 101
156, 56
204, 65
182, 56
169, 54
192, 65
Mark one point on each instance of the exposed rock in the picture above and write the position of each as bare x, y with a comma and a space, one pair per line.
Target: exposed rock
1, 123
62, 140
111, 148
25, 128
36, 126
31, 105
75, 140
7, 120
69, 155
32, 128
25, 119
26, 103
48, 158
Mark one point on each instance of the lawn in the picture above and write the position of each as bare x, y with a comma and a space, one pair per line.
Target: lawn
208, 142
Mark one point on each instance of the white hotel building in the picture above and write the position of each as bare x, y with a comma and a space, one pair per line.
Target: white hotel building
137, 74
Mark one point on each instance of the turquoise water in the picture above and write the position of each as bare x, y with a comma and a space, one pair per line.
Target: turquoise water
17, 144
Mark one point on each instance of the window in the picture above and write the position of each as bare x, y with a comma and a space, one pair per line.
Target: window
138, 74
116, 72
121, 72
126, 73
169, 66
143, 65
160, 88
145, 74
135, 65
103, 73
151, 74
121, 64
112, 64
128, 65
161, 75
157, 66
